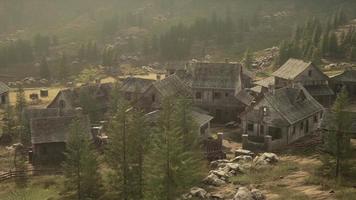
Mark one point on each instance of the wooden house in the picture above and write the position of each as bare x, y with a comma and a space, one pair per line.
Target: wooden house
296, 71
281, 117
219, 88
70, 99
4, 94
171, 86
133, 88
345, 79
49, 136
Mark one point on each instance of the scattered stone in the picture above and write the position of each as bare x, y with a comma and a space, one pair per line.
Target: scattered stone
242, 158
257, 195
198, 192
243, 193
214, 180
266, 159
243, 152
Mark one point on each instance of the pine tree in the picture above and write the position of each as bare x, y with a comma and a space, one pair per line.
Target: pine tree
338, 138
20, 122
44, 69
81, 165
333, 45
316, 56
9, 126
173, 168
247, 59
353, 53
63, 68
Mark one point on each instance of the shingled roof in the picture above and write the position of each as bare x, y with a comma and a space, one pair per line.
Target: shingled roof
55, 129
216, 75
266, 82
172, 86
134, 84
346, 76
291, 69
3, 88
293, 104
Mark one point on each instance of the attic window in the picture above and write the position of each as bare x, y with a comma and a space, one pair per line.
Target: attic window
310, 73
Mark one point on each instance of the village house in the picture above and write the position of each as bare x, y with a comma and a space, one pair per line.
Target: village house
132, 88
171, 86
296, 71
281, 117
4, 94
69, 99
49, 134
345, 79
219, 88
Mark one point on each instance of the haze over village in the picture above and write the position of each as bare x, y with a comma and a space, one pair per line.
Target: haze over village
178, 100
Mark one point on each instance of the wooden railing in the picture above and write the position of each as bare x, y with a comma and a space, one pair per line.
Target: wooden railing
24, 173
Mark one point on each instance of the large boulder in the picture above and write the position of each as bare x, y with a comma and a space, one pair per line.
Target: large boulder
243, 193
244, 152
213, 180
266, 159
241, 159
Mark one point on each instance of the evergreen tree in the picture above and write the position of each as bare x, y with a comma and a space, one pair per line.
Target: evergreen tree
333, 45
63, 68
8, 129
21, 123
248, 59
44, 69
173, 167
353, 53
81, 165
338, 138
316, 56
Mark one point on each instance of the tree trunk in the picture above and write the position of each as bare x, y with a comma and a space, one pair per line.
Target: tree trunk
337, 170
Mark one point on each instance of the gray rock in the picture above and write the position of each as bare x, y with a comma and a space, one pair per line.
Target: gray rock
214, 180
243, 193
198, 192
243, 152
257, 195
242, 158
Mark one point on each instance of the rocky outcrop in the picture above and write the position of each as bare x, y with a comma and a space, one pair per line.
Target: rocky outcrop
244, 193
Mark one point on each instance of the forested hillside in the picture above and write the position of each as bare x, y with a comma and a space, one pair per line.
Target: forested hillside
151, 30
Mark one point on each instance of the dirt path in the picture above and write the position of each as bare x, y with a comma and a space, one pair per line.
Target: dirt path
296, 182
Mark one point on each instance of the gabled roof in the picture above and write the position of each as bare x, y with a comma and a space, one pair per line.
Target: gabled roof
291, 69
55, 129
293, 104
3, 88
172, 86
266, 82
134, 84
216, 75
346, 76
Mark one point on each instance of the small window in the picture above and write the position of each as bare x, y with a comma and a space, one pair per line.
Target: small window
217, 95
62, 104
310, 73
226, 94
262, 129
153, 98
198, 95
316, 119
301, 126
250, 127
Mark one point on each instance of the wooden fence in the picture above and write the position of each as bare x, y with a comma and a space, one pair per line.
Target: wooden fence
24, 173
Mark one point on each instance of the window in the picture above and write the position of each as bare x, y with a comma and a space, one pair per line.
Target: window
321, 115
310, 73
276, 133
316, 119
153, 98
307, 126
62, 104
301, 126
262, 130
293, 130
226, 94
198, 95
250, 127
217, 95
